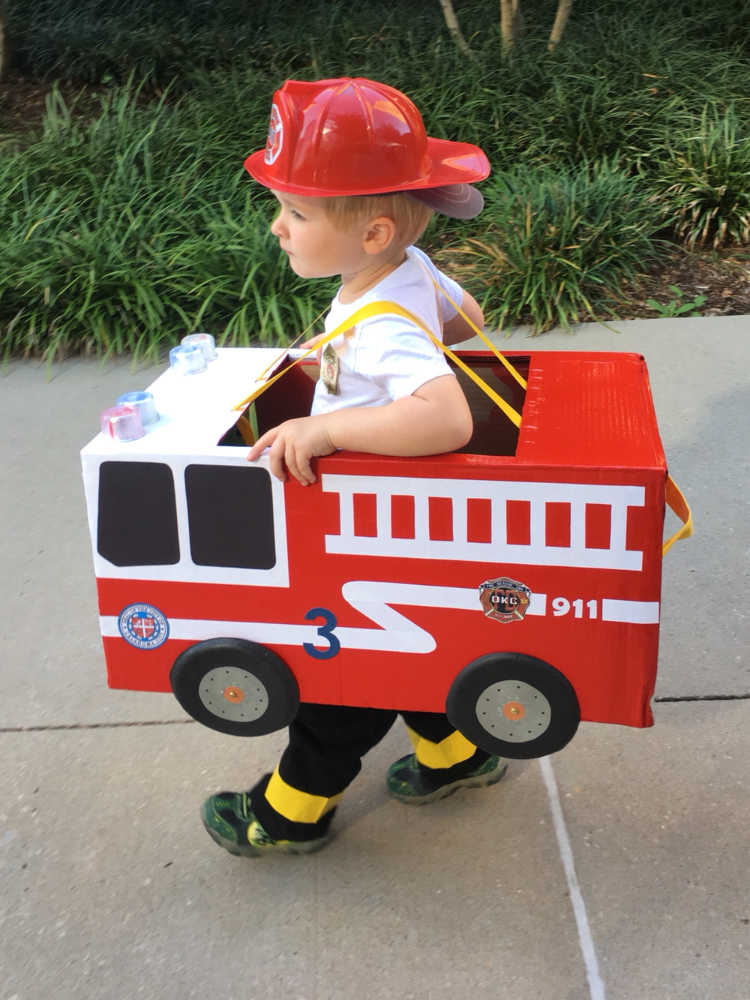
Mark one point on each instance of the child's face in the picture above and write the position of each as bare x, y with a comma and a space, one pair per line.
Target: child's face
316, 248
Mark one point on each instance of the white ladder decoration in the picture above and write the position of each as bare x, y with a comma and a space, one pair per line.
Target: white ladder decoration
498, 550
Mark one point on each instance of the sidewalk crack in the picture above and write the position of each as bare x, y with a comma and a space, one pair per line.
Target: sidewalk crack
703, 697
94, 725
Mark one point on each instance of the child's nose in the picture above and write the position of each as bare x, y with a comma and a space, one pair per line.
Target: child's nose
277, 229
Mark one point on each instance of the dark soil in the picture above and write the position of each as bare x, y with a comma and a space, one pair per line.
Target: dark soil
23, 102
723, 278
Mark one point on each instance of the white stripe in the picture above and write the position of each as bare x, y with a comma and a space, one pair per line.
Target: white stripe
196, 630
537, 605
631, 612
421, 596
403, 636
596, 986
397, 633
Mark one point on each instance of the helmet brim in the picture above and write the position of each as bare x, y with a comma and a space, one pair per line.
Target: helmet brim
452, 163
458, 201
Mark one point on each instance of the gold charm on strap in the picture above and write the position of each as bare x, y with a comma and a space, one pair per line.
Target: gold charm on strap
329, 370
384, 308
519, 378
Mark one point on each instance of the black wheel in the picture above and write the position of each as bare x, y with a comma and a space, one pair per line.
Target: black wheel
513, 705
235, 686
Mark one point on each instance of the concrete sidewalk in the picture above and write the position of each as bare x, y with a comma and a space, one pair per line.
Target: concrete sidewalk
111, 888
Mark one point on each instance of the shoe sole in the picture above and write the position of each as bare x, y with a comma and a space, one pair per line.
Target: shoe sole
480, 781
251, 851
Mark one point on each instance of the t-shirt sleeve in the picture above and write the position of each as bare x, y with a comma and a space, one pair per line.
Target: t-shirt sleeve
447, 284
397, 356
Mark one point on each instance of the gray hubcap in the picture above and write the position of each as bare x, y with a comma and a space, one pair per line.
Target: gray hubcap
513, 711
233, 693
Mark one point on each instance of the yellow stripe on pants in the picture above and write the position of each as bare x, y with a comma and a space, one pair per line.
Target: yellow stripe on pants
297, 806
452, 750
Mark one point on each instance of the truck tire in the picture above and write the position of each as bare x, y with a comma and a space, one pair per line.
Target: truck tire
513, 705
235, 686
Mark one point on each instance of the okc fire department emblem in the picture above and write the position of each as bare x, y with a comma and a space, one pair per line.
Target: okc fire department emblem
504, 600
143, 626
275, 136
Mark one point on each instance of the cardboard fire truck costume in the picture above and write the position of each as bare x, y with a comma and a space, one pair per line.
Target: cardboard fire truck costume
515, 584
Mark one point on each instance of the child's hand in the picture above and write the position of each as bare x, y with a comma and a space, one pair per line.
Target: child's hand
293, 444
308, 344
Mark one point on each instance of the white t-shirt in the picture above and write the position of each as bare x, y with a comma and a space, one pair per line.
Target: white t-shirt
388, 357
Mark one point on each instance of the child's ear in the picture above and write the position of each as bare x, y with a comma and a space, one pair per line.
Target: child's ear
379, 235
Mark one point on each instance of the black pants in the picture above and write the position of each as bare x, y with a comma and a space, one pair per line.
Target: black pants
326, 744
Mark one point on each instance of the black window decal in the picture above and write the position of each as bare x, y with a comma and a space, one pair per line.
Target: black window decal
230, 512
137, 524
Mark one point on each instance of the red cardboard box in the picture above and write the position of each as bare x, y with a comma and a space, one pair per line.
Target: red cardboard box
517, 582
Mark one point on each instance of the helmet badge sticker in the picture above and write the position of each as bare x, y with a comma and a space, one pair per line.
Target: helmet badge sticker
275, 136
504, 600
143, 626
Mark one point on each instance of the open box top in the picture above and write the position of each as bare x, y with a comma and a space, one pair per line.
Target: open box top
192, 544
590, 409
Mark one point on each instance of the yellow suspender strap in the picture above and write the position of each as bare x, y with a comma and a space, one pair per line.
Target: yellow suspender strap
505, 407
385, 308
519, 378
673, 495
677, 502
366, 312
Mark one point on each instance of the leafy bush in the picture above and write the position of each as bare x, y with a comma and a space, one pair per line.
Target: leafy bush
557, 241
141, 227
129, 230
704, 184
622, 82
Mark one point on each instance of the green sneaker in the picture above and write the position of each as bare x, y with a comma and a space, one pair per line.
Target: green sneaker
229, 819
405, 783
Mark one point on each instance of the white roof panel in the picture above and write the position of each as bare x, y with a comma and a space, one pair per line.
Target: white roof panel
195, 411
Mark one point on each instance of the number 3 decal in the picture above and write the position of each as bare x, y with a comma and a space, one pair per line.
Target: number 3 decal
325, 632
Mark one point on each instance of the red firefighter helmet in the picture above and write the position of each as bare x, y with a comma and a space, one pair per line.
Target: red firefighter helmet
356, 136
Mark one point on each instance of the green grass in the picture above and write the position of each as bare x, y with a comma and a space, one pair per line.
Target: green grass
587, 100
126, 231
129, 232
703, 183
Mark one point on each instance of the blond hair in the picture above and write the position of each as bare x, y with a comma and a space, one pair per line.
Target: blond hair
411, 217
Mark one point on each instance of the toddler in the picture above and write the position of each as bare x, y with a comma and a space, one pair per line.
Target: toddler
357, 180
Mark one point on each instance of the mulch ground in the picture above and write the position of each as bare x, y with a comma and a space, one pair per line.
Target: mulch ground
723, 278
23, 102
